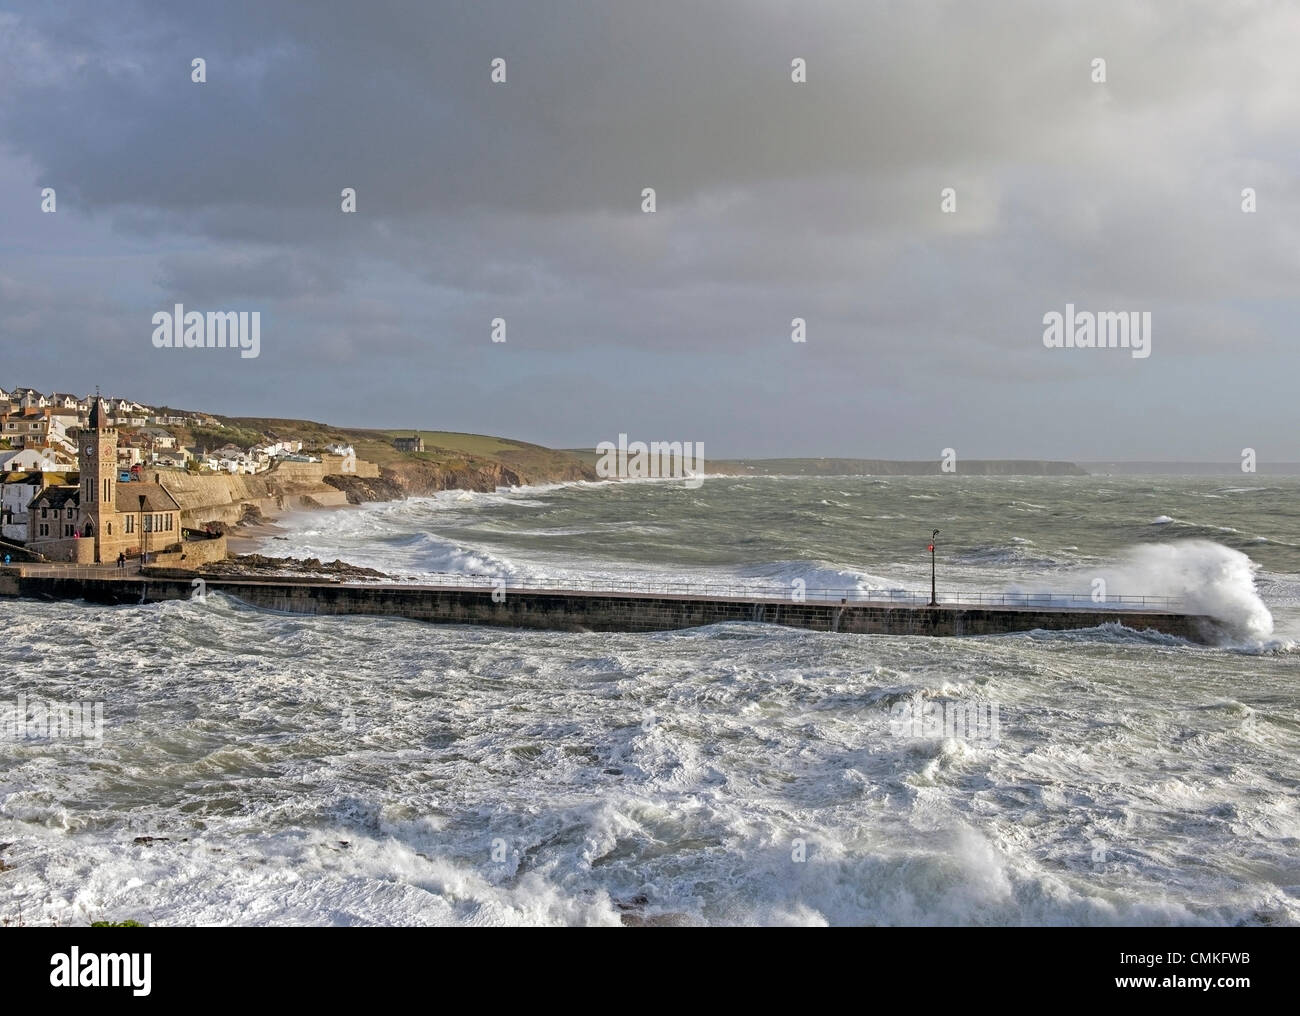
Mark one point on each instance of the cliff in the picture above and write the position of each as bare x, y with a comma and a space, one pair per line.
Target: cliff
419, 478
230, 499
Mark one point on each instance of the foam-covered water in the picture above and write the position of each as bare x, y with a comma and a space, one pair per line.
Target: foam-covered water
265, 768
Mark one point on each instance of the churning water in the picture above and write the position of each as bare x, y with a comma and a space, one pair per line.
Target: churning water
263, 768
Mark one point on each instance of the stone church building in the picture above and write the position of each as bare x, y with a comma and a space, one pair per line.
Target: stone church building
93, 522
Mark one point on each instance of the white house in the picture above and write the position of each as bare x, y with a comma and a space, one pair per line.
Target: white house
27, 460
17, 490
231, 459
239, 465
39, 428
277, 449
157, 439
175, 459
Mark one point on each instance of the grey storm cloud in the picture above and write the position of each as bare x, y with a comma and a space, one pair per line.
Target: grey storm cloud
775, 200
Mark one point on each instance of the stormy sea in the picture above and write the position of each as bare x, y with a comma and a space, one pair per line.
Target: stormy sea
261, 768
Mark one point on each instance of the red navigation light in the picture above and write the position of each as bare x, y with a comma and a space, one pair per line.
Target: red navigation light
931, 548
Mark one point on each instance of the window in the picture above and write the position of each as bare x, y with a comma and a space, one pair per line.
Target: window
130, 524
45, 529
110, 529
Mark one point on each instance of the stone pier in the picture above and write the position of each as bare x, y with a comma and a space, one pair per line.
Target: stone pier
571, 610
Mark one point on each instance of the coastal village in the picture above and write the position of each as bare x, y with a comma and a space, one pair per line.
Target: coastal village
97, 480
110, 481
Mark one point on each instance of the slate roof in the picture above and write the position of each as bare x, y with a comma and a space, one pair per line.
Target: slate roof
58, 497
156, 498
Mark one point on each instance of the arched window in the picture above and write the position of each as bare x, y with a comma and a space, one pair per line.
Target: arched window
89, 530
110, 528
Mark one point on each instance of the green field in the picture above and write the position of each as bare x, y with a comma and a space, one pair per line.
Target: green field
449, 449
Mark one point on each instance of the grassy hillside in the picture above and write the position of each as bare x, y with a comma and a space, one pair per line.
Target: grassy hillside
524, 458
455, 452
447, 450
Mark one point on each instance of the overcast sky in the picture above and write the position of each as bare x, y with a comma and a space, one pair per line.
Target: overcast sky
775, 200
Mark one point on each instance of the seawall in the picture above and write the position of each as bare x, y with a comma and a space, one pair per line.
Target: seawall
225, 498
561, 610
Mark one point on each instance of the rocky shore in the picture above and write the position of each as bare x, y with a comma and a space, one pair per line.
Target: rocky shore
260, 566
421, 479
249, 521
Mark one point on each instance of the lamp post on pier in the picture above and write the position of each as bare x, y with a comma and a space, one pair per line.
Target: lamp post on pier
934, 602
142, 548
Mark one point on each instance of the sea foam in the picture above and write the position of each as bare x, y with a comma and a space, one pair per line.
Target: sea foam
1208, 578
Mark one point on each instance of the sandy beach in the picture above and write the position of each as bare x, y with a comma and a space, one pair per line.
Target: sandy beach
250, 539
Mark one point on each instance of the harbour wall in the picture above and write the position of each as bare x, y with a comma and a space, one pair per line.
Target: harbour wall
564, 610
226, 497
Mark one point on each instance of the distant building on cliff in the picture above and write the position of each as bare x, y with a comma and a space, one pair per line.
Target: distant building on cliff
409, 444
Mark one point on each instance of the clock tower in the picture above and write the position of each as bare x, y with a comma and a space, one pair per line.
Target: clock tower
98, 476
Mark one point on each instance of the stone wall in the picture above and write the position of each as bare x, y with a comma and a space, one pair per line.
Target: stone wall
192, 554
333, 466
68, 549
222, 497
217, 497
583, 611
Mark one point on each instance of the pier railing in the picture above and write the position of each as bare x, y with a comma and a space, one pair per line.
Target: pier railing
789, 593
78, 571
686, 589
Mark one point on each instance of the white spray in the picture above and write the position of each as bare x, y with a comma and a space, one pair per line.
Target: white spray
1208, 578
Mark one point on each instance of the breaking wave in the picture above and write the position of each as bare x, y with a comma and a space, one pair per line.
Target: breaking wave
1208, 578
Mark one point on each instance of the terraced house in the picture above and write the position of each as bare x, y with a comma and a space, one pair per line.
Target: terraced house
39, 428
17, 491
